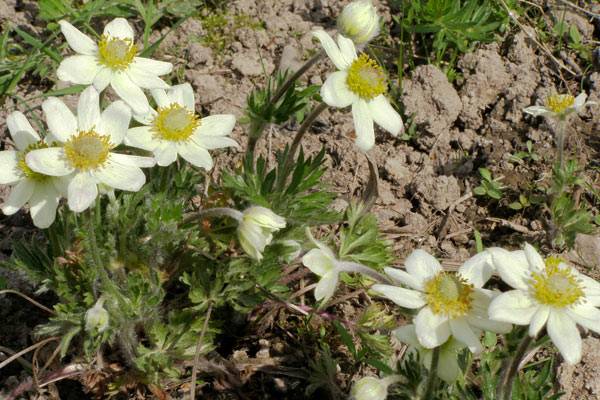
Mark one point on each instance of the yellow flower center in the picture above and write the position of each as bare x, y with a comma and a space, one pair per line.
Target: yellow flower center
366, 78
174, 123
556, 287
449, 294
28, 172
116, 53
559, 103
88, 150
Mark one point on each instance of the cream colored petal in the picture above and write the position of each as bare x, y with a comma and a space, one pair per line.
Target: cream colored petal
216, 125
385, 115
432, 329
119, 28
50, 161
43, 204
121, 176
60, 119
145, 79
114, 122
586, 315
463, 333
513, 267
537, 111
403, 297
564, 334
82, 191
130, 93
363, 124
154, 66
141, 137
195, 155
21, 130
134, 161
538, 321
165, 154
404, 278
319, 262
536, 262
332, 49
183, 94
102, 78
513, 306
407, 334
19, 195
347, 48
335, 91
422, 265
79, 69
478, 269
10, 172
77, 40
88, 109
326, 286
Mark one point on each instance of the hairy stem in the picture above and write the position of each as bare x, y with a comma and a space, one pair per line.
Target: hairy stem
212, 212
510, 372
435, 360
348, 266
198, 351
560, 142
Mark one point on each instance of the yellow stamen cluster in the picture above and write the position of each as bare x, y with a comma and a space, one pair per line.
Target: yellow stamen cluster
559, 103
366, 78
174, 123
449, 294
556, 287
87, 150
28, 172
116, 53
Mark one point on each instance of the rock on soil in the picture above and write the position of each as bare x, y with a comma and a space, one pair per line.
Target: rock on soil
582, 381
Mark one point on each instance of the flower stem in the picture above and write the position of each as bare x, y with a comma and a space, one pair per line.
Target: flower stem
198, 351
560, 142
435, 360
258, 130
348, 266
212, 212
509, 374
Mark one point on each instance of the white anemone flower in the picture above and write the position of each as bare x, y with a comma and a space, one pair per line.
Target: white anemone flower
112, 61
42, 192
560, 106
448, 303
448, 369
361, 83
547, 293
359, 21
255, 230
175, 129
85, 154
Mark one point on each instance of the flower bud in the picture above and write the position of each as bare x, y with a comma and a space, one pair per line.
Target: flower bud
372, 388
359, 21
255, 230
96, 318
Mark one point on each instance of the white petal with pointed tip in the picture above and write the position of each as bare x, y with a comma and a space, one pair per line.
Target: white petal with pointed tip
512, 266
538, 320
478, 269
60, 119
403, 297
88, 109
195, 155
102, 78
19, 195
332, 49
215, 142
318, 261
326, 286
77, 40
432, 329
347, 49
21, 130
216, 125
448, 369
82, 191
513, 306
121, 176
385, 115
161, 98
50, 161
579, 102
565, 336
585, 315
114, 122
79, 69
536, 262
135, 161
141, 137
154, 66
463, 333
363, 124
165, 154
537, 111
422, 265
119, 28
130, 93
10, 172
145, 79
335, 91
404, 278
407, 334
43, 204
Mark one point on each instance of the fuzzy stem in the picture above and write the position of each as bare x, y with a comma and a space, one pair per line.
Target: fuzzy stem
257, 132
509, 374
348, 266
210, 212
435, 360
198, 351
560, 142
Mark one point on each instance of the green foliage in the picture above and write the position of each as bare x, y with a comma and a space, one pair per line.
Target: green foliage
220, 28
490, 187
528, 154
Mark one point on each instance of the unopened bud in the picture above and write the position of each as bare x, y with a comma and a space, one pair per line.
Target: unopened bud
359, 21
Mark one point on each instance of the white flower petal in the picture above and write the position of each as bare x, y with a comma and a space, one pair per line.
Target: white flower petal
119, 28
62, 124
79, 69
479, 317
114, 122
82, 191
182, 94
579, 102
102, 78
215, 142
154, 66
145, 79
404, 278
19, 195
537, 111
77, 40
326, 286
10, 172
407, 334
318, 261
50, 161
478, 269
347, 48
363, 124
216, 125
385, 115
536, 262
586, 315
432, 329
134, 161
161, 98
422, 265
403, 297
538, 320
130, 93
165, 154
463, 333
513, 306
448, 369
335, 92
512, 266
21, 130
88, 109
141, 137
332, 50
43, 204
565, 336
195, 155
121, 176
